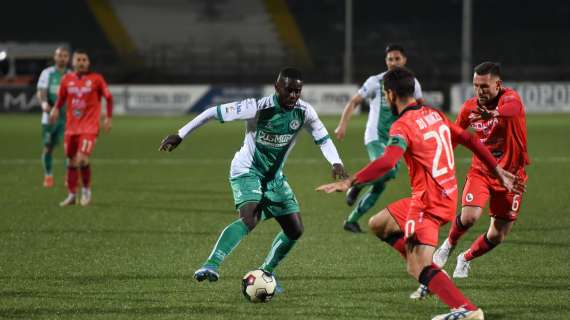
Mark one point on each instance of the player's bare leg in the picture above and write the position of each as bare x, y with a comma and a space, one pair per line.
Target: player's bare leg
465, 220
72, 179
231, 236
498, 231
420, 266
386, 229
85, 170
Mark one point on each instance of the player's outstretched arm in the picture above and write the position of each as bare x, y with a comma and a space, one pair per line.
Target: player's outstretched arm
331, 154
373, 171
340, 130
320, 135
338, 171
172, 141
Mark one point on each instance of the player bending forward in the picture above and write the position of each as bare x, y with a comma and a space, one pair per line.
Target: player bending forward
81, 92
260, 188
424, 137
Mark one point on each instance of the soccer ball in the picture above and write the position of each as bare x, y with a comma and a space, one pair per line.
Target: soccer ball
258, 286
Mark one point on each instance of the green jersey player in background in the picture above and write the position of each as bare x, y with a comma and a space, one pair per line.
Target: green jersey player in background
380, 120
48, 87
260, 188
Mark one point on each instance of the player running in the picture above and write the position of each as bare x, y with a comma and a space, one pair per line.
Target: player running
81, 91
497, 115
48, 87
380, 119
424, 137
260, 188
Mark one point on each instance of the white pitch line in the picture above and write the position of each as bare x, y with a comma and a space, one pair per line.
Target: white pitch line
218, 161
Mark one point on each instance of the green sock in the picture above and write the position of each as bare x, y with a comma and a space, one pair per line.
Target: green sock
228, 240
47, 160
279, 248
367, 202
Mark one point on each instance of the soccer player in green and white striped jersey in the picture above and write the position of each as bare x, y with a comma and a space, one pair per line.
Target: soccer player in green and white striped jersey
48, 87
380, 120
260, 188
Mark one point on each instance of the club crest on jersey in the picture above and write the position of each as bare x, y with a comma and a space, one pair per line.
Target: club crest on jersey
294, 125
77, 113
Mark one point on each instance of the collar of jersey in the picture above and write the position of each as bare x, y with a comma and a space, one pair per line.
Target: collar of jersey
408, 108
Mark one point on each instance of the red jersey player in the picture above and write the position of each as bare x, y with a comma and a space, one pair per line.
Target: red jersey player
497, 116
81, 91
424, 137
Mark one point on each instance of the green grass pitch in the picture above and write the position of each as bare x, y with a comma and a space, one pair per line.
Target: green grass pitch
155, 217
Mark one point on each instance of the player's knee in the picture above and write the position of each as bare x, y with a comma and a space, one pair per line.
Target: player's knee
249, 215
83, 161
295, 233
496, 238
468, 220
72, 162
249, 221
374, 226
378, 226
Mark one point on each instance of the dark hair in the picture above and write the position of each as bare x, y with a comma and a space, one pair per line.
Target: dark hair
80, 51
401, 81
394, 47
489, 67
289, 72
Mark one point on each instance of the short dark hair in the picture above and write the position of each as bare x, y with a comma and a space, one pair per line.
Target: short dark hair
394, 47
290, 72
80, 51
401, 81
489, 67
